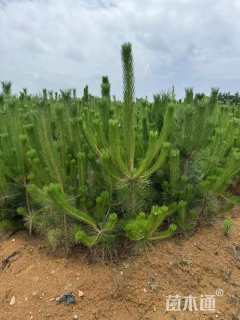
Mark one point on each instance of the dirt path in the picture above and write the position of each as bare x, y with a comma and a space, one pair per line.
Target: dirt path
134, 289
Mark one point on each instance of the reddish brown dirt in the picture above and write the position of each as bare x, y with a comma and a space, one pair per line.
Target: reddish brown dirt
133, 289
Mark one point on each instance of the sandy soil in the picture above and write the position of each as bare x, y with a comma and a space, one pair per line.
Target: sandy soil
132, 289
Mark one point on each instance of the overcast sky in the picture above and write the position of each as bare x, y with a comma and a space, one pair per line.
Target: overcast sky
65, 44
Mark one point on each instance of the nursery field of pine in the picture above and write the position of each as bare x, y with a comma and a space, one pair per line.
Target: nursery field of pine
108, 174
111, 178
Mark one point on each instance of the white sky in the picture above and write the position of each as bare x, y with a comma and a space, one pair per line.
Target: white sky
64, 44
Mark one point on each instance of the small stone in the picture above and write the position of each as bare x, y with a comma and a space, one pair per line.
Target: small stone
75, 317
12, 301
144, 290
80, 293
34, 294
121, 273
13, 240
154, 309
66, 298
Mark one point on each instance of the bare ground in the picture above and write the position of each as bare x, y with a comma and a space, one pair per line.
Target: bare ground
132, 289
